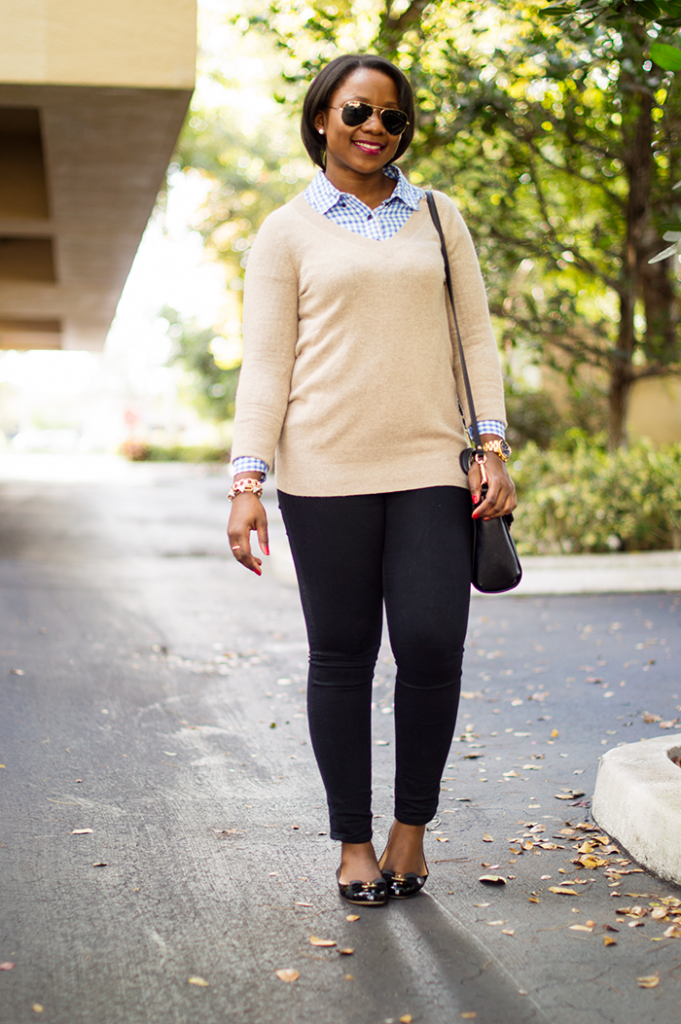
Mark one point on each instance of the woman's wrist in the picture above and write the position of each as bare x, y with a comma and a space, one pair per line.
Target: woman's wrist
245, 484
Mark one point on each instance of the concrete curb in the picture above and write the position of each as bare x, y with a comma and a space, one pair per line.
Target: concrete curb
637, 801
633, 572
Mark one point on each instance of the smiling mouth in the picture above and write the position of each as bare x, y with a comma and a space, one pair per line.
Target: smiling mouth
368, 147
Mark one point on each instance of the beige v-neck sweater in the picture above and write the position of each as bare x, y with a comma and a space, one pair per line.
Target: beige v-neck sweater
350, 370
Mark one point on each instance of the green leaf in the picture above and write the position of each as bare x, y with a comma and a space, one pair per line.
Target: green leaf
665, 56
647, 9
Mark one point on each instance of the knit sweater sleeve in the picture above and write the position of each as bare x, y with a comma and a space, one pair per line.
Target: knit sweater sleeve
270, 333
477, 336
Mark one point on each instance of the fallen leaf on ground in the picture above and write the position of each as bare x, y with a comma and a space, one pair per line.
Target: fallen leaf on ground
580, 928
406, 1018
648, 717
37, 1007
658, 913
299, 904
352, 917
100, 864
469, 1016
195, 980
492, 879
7, 966
348, 977
346, 952
589, 861
487, 838
442, 839
316, 941
81, 832
570, 794
508, 931
20, 672
563, 890
649, 981
668, 725
673, 932
287, 974
554, 734
607, 941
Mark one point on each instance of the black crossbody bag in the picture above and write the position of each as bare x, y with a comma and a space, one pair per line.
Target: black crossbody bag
496, 566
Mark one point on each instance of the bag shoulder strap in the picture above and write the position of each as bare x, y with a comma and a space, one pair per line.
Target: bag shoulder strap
432, 206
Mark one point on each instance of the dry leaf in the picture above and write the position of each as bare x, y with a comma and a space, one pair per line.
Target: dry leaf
346, 952
570, 794
195, 980
648, 717
487, 838
299, 904
673, 932
287, 974
658, 913
469, 1016
607, 941
580, 928
7, 966
37, 1007
100, 864
352, 917
442, 839
492, 879
649, 981
315, 941
562, 890
348, 977
669, 725
590, 862
508, 931
81, 832
406, 1018
554, 734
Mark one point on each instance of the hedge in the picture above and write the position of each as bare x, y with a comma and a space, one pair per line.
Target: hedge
578, 497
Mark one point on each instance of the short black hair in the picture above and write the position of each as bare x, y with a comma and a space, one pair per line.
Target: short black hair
328, 80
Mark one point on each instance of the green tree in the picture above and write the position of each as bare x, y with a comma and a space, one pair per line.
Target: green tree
560, 138
211, 363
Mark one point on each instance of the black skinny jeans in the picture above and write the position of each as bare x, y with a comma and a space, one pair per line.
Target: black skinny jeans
411, 550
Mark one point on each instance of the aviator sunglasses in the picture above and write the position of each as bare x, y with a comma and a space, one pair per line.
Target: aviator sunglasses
354, 113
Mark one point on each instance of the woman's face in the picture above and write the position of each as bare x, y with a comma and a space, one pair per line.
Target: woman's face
369, 147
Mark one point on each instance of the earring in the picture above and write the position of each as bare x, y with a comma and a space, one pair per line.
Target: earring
321, 131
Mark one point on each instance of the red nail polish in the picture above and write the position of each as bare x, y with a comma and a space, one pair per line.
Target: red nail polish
475, 499
266, 549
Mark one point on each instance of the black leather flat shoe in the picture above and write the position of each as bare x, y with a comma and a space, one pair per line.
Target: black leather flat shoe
401, 887
364, 894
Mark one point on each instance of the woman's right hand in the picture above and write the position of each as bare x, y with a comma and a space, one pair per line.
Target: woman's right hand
248, 513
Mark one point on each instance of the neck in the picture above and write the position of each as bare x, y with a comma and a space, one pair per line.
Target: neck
371, 189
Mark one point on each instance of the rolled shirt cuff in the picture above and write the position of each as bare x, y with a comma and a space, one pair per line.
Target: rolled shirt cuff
249, 464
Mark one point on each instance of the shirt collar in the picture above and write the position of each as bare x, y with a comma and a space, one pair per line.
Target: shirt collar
325, 195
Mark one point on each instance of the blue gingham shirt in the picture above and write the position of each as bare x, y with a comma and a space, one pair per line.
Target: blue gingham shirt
346, 210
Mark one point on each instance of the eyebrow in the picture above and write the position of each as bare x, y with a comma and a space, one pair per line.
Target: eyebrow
365, 99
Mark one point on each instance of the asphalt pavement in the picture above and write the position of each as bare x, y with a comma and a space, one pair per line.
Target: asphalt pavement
163, 847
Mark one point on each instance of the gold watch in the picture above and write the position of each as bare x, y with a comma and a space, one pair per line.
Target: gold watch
499, 447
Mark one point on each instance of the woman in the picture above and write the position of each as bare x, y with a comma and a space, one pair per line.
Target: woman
349, 373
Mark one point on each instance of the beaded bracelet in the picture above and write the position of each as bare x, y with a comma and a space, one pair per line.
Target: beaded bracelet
241, 486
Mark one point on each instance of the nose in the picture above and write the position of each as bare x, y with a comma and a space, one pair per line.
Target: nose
374, 122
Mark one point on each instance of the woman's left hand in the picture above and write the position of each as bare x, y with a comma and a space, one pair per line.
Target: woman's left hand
500, 498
